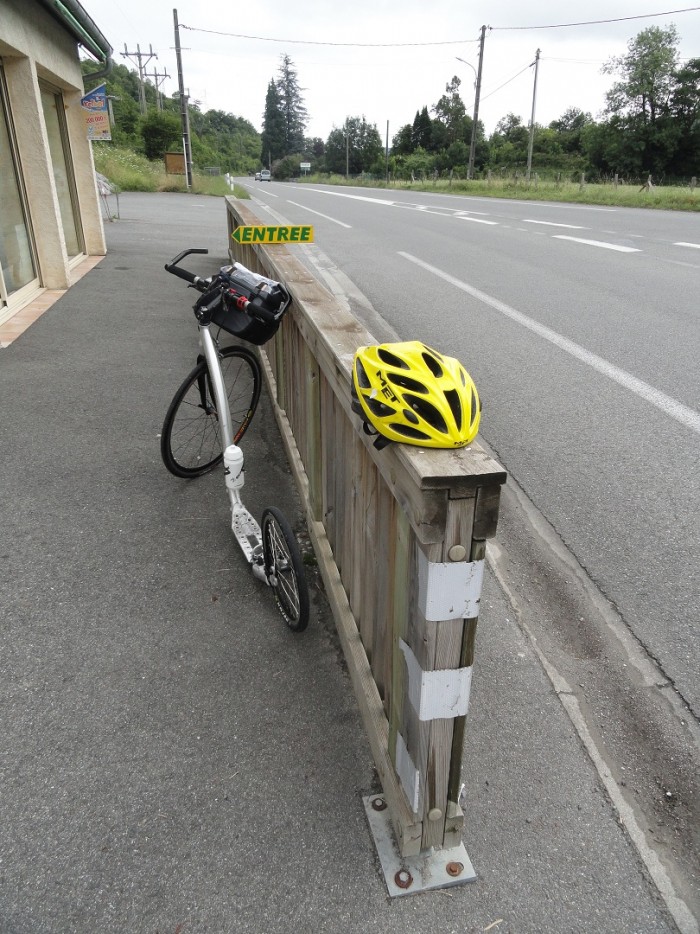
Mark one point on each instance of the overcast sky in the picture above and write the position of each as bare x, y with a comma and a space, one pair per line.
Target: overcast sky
233, 49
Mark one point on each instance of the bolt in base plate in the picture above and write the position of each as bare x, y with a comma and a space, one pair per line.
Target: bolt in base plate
408, 875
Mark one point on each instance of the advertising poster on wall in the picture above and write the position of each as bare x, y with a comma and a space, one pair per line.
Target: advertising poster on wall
96, 112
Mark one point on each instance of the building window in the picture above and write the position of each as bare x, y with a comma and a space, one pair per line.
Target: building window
17, 266
54, 117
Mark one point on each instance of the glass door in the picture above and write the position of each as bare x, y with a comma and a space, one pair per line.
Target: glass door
17, 265
54, 117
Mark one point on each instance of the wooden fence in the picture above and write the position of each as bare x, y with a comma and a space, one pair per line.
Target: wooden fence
400, 537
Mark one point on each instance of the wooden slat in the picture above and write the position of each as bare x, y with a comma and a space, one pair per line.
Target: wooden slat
384, 597
367, 544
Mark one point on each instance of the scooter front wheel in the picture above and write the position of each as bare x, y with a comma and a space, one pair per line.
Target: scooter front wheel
284, 569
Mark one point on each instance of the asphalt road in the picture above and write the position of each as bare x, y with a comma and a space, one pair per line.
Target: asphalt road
172, 757
580, 326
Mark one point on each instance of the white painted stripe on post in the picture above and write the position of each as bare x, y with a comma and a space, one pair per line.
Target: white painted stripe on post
667, 404
437, 695
409, 776
449, 591
600, 243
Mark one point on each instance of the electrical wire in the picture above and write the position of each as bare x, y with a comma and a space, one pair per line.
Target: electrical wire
500, 86
360, 45
596, 22
398, 45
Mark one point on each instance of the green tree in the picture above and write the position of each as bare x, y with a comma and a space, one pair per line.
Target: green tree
509, 142
160, 131
402, 143
685, 110
450, 112
274, 134
569, 128
646, 75
422, 130
357, 145
291, 104
639, 103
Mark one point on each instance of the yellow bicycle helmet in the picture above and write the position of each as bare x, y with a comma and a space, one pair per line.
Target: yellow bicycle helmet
410, 393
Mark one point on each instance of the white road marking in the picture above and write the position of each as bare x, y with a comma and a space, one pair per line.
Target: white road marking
667, 404
601, 243
342, 194
311, 210
677, 262
695, 246
552, 224
476, 220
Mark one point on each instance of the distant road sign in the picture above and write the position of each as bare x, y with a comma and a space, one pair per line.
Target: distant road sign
300, 234
304, 165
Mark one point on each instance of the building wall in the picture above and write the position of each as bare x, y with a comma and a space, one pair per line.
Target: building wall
34, 48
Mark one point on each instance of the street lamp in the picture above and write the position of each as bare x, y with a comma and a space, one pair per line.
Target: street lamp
465, 62
472, 144
477, 93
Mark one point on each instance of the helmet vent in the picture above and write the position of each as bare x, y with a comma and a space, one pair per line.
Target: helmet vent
378, 408
427, 411
455, 405
391, 359
475, 407
409, 432
433, 364
405, 382
362, 378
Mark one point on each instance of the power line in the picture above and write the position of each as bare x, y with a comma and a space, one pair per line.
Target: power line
360, 45
500, 86
398, 45
596, 22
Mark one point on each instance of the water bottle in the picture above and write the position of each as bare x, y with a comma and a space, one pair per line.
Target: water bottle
233, 464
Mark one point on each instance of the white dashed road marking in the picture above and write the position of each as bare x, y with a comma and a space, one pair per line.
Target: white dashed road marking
601, 243
667, 404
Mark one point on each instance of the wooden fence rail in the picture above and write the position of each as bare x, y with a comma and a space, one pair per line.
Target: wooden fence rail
400, 538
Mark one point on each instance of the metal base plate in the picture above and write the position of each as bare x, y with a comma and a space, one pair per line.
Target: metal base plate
408, 875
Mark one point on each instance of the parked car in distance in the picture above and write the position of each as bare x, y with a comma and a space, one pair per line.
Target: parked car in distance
257, 176
265, 175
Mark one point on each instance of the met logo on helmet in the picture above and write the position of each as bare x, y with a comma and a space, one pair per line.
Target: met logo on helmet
386, 388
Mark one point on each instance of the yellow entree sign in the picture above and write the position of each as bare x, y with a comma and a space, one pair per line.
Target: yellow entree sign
300, 234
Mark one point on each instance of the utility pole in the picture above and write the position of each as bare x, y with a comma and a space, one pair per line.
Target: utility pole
387, 153
532, 118
139, 56
157, 75
184, 108
472, 146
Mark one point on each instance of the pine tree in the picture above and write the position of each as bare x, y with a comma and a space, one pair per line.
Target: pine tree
273, 134
291, 106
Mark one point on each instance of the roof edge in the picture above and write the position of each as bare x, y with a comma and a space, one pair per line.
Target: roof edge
76, 21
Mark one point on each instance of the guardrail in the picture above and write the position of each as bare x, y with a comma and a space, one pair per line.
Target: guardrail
400, 537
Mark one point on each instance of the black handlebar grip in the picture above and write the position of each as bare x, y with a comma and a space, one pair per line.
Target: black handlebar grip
258, 310
181, 273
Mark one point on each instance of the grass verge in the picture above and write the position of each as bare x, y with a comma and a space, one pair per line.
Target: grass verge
669, 198
130, 171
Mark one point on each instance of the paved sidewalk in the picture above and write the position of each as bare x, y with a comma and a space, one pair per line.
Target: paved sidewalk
172, 759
